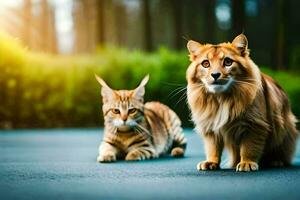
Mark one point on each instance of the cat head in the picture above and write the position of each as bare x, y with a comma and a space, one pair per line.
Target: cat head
123, 109
219, 68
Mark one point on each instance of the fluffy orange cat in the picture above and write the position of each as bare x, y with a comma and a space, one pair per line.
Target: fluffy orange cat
235, 105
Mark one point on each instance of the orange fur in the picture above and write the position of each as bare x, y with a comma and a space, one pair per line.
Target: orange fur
137, 131
234, 105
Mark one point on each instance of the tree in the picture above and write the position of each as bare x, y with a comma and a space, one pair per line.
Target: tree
47, 28
209, 24
120, 22
238, 17
147, 25
101, 21
27, 21
280, 54
177, 18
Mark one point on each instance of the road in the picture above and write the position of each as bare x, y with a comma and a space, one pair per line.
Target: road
60, 164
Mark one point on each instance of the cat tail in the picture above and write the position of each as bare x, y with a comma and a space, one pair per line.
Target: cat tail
176, 132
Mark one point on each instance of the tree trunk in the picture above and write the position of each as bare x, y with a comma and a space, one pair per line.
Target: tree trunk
44, 28
147, 25
238, 17
177, 17
101, 22
27, 22
280, 57
209, 27
121, 23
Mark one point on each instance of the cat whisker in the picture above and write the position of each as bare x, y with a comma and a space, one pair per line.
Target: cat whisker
244, 82
248, 79
138, 119
176, 92
176, 89
173, 84
144, 130
254, 81
183, 96
139, 131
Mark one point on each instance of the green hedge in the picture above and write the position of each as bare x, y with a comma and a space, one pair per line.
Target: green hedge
40, 90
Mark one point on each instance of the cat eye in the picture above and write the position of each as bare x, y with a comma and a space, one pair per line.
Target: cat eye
132, 110
115, 111
228, 62
205, 64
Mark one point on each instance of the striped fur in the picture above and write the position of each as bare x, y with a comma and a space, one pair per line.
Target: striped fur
137, 131
242, 109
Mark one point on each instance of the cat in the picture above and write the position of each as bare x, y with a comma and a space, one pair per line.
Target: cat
137, 131
235, 105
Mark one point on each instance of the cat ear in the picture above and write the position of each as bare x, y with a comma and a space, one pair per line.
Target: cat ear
140, 90
106, 91
194, 48
241, 43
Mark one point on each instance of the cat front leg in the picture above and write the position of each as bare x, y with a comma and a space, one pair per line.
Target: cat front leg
107, 153
251, 150
213, 146
141, 153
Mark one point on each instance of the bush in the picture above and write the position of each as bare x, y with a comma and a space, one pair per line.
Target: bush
39, 90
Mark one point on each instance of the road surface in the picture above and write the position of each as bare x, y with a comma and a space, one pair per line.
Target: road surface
61, 164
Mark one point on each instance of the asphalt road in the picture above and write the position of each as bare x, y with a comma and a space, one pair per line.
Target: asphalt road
61, 164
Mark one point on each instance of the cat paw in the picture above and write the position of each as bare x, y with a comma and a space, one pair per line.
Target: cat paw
177, 152
105, 158
207, 165
247, 166
135, 156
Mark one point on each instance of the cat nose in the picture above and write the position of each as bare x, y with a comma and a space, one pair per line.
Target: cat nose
124, 118
216, 75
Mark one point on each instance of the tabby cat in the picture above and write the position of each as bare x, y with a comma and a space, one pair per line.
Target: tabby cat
137, 131
235, 105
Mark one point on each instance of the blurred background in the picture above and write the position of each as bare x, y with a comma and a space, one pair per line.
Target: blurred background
50, 50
